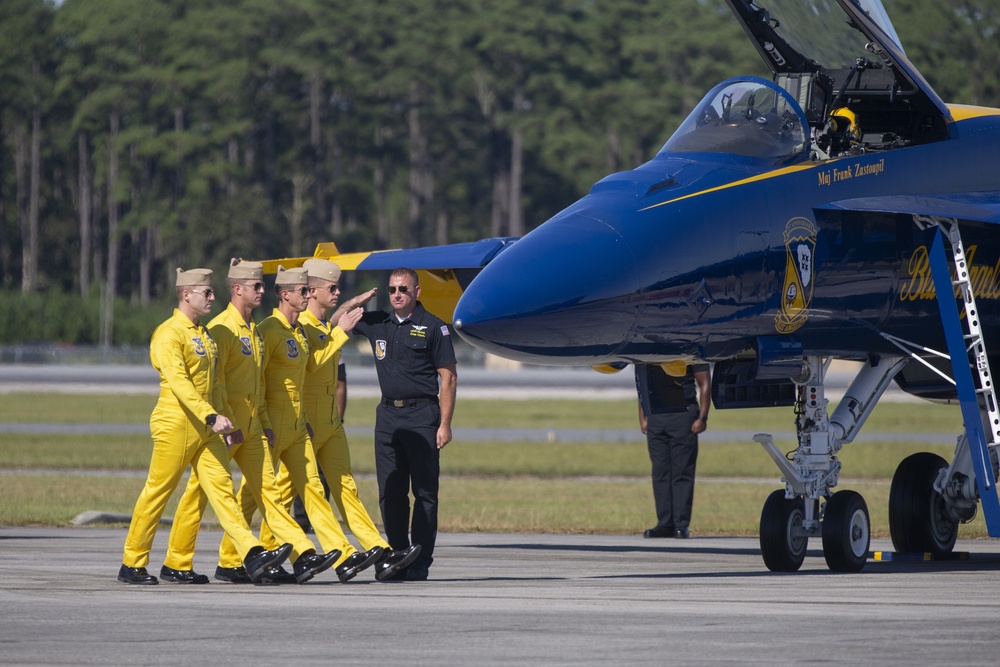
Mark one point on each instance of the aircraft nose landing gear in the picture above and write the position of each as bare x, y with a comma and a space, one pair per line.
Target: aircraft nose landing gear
791, 516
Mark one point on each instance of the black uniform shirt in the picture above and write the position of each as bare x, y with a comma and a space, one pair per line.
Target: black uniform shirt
407, 353
661, 393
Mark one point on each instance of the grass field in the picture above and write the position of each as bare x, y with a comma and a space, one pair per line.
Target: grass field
490, 486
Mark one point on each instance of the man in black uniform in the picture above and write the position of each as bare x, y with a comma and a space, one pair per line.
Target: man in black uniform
413, 352
671, 415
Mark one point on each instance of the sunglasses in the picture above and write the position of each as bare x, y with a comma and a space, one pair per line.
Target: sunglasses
391, 289
303, 291
333, 288
208, 294
256, 287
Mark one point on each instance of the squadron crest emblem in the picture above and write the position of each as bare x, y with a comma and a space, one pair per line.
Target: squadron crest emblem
796, 295
293, 349
245, 346
380, 350
199, 346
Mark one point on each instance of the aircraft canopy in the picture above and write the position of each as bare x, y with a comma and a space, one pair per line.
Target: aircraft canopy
748, 116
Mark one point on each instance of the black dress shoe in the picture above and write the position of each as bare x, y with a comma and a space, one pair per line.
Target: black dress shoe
309, 565
357, 562
416, 575
277, 575
136, 575
659, 531
682, 534
395, 561
233, 575
182, 576
258, 560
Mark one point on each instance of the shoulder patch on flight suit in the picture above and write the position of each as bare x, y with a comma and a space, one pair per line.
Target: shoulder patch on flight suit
444, 330
245, 347
380, 350
199, 346
293, 349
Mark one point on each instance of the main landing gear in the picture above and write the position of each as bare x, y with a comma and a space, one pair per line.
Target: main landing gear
807, 507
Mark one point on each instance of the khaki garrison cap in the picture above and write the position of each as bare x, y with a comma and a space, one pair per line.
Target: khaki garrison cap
291, 276
240, 269
322, 268
193, 277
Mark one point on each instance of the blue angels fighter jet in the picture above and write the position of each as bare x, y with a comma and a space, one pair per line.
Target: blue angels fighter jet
841, 210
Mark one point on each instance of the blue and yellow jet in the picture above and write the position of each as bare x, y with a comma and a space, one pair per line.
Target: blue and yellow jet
787, 223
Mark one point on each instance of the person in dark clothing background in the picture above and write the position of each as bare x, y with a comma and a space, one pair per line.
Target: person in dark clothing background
673, 410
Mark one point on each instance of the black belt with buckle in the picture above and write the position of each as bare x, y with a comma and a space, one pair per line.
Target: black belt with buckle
407, 402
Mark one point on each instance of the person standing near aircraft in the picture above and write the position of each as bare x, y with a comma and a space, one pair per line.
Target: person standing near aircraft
186, 427
240, 348
673, 410
324, 405
286, 355
413, 353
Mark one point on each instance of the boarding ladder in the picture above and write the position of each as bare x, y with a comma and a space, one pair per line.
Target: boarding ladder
964, 336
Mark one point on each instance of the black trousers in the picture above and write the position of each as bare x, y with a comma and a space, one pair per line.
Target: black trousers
673, 451
407, 457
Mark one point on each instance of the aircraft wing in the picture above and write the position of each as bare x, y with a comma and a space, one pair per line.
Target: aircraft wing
445, 271
973, 206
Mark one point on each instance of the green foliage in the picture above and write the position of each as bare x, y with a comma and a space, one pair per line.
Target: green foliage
259, 128
62, 318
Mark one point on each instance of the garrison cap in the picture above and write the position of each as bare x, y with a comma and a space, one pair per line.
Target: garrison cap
240, 269
194, 277
322, 268
291, 276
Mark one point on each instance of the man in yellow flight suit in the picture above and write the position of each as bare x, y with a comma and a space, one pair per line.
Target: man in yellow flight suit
286, 354
327, 335
186, 426
239, 349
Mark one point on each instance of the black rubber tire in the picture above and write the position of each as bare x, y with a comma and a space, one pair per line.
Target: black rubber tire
918, 518
781, 551
847, 532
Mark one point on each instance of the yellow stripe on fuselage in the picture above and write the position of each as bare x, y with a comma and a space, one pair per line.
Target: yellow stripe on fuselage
752, 179
967, 111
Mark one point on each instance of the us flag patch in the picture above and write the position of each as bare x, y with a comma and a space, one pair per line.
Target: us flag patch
444, 330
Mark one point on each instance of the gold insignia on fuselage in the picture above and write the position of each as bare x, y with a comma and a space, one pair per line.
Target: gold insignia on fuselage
796, 294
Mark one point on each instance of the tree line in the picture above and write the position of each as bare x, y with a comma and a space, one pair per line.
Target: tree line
137, 136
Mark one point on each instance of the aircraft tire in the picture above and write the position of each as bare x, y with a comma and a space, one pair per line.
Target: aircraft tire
918, 518
846, 532
782, 551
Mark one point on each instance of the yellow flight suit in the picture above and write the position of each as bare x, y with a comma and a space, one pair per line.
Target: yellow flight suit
239, 349
329, 439
185, 356
286, 354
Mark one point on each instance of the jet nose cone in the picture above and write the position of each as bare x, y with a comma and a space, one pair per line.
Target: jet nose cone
557, 296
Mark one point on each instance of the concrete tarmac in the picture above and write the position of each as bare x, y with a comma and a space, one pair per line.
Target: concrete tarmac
502, 600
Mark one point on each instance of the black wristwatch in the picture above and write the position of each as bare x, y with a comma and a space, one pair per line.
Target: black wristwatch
210, 420
703, 419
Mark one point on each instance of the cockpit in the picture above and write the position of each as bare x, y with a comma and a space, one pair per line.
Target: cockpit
842, 86
749, 117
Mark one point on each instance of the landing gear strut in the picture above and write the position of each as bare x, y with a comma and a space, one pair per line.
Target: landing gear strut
792, 516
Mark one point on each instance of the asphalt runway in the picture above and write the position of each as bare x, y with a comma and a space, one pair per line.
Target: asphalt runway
502, 600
